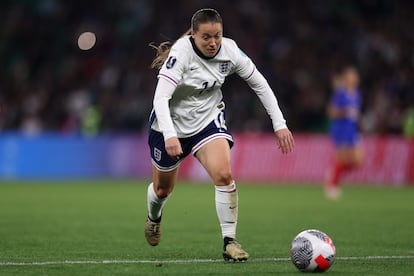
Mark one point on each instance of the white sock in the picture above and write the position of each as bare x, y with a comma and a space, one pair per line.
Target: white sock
155, 204
227, 209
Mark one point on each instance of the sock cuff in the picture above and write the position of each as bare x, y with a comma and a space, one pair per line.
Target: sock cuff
231, 188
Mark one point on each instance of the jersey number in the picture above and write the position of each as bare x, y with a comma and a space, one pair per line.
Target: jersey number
207, 88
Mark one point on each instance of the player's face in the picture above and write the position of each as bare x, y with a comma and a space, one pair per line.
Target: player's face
351, 78
208, 38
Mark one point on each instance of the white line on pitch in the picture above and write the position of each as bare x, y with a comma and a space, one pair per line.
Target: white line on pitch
257, 260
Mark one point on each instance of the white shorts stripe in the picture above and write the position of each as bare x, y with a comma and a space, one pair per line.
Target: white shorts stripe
165, 169
210, 138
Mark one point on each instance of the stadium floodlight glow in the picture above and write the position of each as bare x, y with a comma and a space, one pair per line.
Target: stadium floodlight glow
86, 40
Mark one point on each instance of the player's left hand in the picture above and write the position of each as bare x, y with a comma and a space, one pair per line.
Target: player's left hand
285, 140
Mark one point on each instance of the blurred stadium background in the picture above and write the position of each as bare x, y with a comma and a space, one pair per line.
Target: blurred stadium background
71, 113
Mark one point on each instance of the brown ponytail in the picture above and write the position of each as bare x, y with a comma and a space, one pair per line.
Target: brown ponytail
163, 49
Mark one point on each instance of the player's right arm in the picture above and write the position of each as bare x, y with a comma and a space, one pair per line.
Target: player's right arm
335, 108
163, 94
169, 76
335, 112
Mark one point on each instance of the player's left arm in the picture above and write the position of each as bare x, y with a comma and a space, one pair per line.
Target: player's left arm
246, 69
260, 86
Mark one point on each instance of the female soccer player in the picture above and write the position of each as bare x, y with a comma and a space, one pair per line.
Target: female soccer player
343, 111
188, 117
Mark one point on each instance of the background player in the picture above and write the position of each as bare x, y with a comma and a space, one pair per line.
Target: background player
189, 117
343, 111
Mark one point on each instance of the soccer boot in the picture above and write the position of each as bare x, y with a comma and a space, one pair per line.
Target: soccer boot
233, 251
153, 231
332, 192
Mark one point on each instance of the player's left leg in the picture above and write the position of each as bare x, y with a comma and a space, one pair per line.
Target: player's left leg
215, 158
157, 195
347, 158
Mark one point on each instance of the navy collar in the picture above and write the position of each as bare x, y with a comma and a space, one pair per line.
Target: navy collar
199, 53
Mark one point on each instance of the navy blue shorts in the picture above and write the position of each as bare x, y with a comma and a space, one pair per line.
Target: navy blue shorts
347, 136
163, 162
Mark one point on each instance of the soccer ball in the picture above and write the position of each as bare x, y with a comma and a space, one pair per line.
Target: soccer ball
312, 251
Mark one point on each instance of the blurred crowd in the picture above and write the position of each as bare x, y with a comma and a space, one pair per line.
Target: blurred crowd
48, 84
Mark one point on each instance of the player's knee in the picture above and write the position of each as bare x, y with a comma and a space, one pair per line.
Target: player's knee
163, 190
161, 193
358, 162
223, 178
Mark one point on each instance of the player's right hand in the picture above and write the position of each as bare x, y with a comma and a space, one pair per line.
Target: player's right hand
173, 147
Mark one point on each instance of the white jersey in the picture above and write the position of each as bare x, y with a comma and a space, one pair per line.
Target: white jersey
195, 97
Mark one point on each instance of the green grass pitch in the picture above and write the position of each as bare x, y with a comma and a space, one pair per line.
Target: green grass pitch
96, 228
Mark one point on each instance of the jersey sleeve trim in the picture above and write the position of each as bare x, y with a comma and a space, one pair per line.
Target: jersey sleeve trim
251, 74
168, 78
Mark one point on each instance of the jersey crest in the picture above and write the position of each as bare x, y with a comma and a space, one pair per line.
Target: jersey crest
157, 154
224, 67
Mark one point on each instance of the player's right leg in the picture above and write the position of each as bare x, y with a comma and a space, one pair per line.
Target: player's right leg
157, 195
332, 187
164, 171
